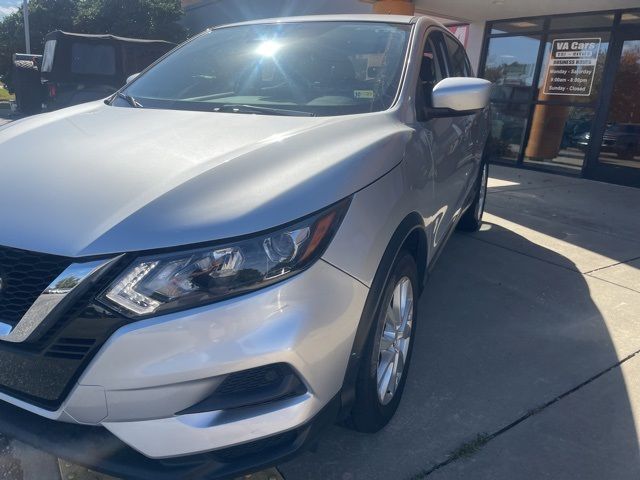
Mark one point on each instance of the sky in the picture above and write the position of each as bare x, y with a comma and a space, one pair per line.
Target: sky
8, 6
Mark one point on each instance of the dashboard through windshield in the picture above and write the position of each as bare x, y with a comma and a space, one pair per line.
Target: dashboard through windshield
305, 68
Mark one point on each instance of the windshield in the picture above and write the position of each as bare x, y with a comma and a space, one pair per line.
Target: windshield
319, 68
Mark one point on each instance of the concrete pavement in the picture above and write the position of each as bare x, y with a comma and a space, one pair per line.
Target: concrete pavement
587, 434
526, 364
516, 371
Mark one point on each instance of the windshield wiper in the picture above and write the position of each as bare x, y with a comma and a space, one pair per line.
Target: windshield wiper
129, 99
233, 108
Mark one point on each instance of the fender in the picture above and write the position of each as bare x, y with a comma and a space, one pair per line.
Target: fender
411, 223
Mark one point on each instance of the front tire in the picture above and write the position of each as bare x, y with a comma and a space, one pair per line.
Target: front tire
386, 358
471, 220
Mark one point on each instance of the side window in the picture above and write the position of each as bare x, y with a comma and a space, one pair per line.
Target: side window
432, 70
457, 58
93, 59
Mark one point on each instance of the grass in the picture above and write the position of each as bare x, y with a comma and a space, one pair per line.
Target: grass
465, 450
469, 448
4, 95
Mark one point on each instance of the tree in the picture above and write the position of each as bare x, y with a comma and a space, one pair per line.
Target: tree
625, 106
44, 16
11, 30
154, 19
67, 283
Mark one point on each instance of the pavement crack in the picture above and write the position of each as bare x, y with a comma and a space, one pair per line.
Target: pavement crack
612, 265
469, 448
613, 283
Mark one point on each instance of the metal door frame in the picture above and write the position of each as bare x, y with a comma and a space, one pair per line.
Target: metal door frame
593, 168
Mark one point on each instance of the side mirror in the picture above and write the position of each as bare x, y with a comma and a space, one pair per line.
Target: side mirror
131, 78
461, 94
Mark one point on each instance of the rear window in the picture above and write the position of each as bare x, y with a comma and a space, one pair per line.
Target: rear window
93, 59
49, 55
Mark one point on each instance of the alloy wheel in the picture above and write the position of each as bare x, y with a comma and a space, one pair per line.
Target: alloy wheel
395, 340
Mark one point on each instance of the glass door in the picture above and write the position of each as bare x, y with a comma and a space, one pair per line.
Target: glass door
615, 151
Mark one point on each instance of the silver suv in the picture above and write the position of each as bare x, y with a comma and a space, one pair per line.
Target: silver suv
200, 271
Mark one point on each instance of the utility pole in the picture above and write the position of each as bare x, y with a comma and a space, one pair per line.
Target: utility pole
25, 14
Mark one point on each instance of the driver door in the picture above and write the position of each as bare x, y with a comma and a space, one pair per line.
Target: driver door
447, 138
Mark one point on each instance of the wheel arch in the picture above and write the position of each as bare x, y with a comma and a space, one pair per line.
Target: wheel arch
409, 235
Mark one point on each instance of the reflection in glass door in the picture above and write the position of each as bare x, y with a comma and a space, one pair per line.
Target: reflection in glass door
562, 120
618, 150
510, 65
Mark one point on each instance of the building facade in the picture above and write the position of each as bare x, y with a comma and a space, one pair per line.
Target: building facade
566, 93
566, 74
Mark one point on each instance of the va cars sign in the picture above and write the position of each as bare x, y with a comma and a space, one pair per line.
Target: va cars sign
572, 66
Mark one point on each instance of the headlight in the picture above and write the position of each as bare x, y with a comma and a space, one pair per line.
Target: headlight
157, 284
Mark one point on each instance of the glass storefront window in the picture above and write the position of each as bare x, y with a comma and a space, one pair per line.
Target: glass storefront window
559, 137
560, 100
510, 66
517, 26
592, 20
588, 77
507, 128
620, 143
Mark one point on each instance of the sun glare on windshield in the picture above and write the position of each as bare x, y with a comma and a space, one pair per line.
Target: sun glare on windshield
305, 68
268, 48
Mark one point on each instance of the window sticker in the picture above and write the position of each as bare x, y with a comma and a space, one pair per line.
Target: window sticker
363, 94
572, 66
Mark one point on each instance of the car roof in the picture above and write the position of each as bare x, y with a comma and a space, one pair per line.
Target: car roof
371, 17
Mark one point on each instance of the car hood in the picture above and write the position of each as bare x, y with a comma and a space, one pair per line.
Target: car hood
96, 179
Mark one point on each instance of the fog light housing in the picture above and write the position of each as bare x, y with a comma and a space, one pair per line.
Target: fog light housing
256, 386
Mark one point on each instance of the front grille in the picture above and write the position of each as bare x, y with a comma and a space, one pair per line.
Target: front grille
43, 371
24, 277
71, 348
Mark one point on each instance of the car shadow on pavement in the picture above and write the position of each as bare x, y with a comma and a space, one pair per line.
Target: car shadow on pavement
500, 335
600, 219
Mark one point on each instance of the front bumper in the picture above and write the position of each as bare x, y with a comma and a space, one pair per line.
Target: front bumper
98, 449
150, 371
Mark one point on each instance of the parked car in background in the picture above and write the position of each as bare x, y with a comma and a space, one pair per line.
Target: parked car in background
79, 68
622, 139
581, 140
228, 253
